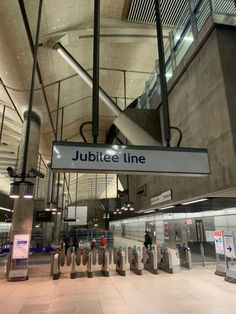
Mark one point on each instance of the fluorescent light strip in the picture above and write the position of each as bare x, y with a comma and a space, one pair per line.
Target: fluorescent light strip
6, 209
150, 211
167, 207
196, 201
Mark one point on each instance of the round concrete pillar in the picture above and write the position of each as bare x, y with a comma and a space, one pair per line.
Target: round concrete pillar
24, 208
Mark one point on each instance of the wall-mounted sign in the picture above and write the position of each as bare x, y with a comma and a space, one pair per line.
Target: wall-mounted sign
21, 246
81, 157
163, 197
43, 216
229, 244
219, 243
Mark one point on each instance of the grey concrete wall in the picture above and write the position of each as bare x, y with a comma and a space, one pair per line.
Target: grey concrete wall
202, 104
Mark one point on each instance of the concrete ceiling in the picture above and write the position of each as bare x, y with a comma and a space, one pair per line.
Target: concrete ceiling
123, 46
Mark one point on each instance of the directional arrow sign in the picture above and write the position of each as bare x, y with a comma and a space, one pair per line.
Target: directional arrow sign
229, 244
229, 248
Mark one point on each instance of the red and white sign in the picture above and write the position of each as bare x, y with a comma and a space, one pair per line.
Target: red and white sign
219, 243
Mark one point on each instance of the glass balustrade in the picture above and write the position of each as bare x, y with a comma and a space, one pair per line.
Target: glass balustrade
189, 23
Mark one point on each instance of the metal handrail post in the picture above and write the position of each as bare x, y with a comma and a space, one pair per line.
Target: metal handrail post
193, 18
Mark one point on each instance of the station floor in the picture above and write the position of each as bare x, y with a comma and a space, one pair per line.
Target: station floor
184, 292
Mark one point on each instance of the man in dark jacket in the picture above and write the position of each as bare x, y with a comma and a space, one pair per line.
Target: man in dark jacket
148, 240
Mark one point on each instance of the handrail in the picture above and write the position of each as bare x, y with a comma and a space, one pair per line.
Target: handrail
208, 7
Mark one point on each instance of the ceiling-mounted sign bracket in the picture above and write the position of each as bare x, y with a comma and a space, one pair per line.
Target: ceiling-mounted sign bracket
97, 158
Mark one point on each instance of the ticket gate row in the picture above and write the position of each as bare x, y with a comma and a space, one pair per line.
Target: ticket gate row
150, 259
81, 257
154, 258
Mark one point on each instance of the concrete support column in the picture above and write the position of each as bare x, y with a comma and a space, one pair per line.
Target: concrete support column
23, 208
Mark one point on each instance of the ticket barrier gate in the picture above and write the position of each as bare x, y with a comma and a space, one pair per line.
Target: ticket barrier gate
87, 257
119, 257
72, 259
55, 267
105, 259
150, 259
184, 253
134, 258
82, 256
164, 259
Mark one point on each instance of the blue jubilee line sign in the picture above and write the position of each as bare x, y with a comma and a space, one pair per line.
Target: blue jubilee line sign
81, 157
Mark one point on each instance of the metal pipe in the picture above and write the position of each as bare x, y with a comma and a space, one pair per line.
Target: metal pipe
29, 117
3, 117
11, 100
96, 42
125, 90
76, 194
31, 43
117, 191
58, 104
162, 66
52, 187
58, 188
63, 194
68, 186
81, 130
86, 77
39, 168
62, 122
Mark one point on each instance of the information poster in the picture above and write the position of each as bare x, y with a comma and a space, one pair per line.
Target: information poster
219, 244
21, 246
210, 235
229, 244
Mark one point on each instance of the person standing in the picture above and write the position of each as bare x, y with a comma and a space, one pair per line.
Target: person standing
93, 244
148, 240
104, 242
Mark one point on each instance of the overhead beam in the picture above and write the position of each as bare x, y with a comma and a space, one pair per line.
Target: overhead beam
132, 131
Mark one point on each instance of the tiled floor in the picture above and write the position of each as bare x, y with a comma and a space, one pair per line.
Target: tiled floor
196, 291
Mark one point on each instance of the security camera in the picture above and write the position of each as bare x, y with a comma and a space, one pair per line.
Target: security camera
11, 172
36, 173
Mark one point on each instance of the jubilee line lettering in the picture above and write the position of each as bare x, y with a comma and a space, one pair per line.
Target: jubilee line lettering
83, 157
100, 157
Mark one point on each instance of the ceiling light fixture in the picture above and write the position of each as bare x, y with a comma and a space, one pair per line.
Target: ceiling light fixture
15, 190
6, 209
150, 211
28, 190
167, 207
51, 207
195, 201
